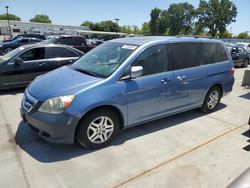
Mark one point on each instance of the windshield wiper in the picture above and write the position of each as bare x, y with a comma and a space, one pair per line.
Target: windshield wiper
87, 72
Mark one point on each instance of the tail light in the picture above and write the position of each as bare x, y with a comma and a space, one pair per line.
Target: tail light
232, 71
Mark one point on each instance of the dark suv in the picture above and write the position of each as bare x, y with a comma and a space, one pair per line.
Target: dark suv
77, 41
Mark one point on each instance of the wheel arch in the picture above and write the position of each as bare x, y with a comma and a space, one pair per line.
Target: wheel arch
110, 107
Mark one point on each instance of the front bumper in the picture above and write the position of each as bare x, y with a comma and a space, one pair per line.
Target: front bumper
53, 128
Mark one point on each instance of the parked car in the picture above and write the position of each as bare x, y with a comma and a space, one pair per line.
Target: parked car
245, 45
126, 82
239, 55
77, 41
22, 65
30, 35
6, 47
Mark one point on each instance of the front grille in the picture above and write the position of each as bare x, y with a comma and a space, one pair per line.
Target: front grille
28, 101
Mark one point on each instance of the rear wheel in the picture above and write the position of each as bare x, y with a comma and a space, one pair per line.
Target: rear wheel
212, 99
98, 128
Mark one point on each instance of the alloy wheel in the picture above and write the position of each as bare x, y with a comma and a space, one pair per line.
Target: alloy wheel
213, 99
100, 130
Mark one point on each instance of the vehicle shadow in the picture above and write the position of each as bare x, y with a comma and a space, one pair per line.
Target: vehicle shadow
247, 134
245, 96
46, 152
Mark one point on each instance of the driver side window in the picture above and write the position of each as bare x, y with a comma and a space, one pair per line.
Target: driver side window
153, 60
33, 54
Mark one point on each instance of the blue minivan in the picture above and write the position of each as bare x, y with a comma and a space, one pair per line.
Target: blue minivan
126, 82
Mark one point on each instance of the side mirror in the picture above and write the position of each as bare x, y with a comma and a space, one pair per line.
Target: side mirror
18, 61
136, 71
234, 50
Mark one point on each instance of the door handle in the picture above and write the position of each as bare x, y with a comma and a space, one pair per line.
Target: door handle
165, 80
181, 78
41, 64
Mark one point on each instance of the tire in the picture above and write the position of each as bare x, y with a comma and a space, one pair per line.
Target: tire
212, 99
245, 63
98, 128
7, 50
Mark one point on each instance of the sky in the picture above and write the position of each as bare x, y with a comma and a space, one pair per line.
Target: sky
130, 12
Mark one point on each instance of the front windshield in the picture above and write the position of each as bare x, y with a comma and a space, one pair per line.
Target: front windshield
12, 53
103, 60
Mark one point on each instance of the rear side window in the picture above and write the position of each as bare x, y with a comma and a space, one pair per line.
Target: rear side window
55, 52
185, 55
153, 60
214, 53
33, 54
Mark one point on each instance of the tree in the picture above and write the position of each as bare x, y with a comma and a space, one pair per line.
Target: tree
215, 15
11, 17
145, 30
90, 24
243, 35
180, 17
41, 18
126, 29
154, 21
108, 26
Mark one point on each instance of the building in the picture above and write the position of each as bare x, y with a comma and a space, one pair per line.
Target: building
20, 27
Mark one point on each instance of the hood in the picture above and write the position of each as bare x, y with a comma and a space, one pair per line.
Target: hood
60, 82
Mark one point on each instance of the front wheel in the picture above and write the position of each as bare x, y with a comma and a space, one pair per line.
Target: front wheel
98, 128
212, 99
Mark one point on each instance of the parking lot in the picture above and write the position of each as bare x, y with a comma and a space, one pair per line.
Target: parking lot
191, 149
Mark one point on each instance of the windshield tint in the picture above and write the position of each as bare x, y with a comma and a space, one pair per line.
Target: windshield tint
105, 59
12, 53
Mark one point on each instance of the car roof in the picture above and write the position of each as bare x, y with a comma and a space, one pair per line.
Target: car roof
66, 36
37, 45
154, 39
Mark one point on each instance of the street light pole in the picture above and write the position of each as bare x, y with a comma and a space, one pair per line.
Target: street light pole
117, 19
8, 20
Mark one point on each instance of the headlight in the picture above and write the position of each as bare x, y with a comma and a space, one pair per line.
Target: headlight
56, 105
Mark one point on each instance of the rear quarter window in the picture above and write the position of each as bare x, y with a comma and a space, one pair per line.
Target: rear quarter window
214, 53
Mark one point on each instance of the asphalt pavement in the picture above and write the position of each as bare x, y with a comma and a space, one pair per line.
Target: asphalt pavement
190, 149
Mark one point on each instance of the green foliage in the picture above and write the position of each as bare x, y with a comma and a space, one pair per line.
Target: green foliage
227, 35
154, 21
145, 30
181, 17
102, 26
243, 35
215, 15
90, 24
11, 17
41, 18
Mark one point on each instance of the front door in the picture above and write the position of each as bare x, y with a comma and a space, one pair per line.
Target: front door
150, 95
23, 73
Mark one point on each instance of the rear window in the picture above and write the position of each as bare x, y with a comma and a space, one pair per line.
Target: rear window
214, 53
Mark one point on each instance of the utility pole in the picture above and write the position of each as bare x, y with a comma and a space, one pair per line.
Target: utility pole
117, 19
7, 7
